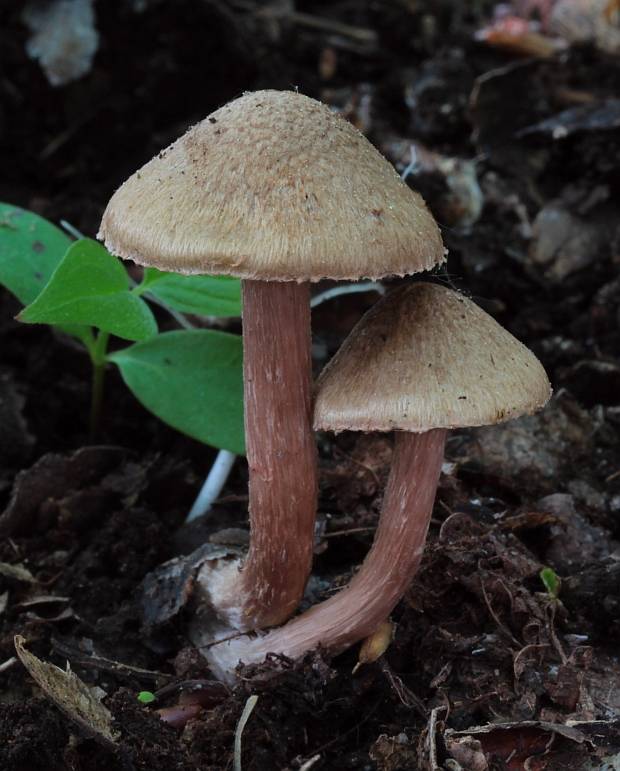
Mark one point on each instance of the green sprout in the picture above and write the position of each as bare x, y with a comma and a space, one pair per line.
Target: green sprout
191, 379
552, 582
146, 697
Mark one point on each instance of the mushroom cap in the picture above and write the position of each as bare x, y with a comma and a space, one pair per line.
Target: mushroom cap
273, 186
426, 357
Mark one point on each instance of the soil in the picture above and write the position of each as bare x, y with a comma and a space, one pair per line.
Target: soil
488, 668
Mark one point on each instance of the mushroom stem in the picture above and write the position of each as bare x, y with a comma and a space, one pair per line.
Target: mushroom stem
356, 611
281, 449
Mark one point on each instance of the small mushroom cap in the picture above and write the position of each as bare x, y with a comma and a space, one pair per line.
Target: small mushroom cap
426, 357
272, 186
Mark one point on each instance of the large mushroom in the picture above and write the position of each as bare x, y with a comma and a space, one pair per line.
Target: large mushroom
422, 361
280, 191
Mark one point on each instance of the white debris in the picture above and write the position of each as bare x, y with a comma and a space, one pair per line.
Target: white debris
63, 38
213, 484
587, 21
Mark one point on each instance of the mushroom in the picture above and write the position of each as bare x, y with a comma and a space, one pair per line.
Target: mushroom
423, 360
278, 190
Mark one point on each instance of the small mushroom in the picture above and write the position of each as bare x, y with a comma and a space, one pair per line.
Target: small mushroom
423, 360
278, 190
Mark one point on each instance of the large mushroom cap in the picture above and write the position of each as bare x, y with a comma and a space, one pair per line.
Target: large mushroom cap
273, 186
426, 357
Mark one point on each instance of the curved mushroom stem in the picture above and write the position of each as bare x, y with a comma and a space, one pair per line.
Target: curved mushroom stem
356, 611
265, 588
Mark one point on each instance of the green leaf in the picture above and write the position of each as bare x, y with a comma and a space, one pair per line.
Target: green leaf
30, 249
90, 287
192, 380
551, 580
146, 697
202, 295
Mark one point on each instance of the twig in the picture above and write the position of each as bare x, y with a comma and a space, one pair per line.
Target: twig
310, 762
245, 716
551, 608
211, 687
495, 617
351, 530
103, 664
8, 664
61, 139
407, 697
359, 34
338, 291
220, 640
431, 738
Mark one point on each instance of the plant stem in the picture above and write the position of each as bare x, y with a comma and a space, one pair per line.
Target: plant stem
98, 360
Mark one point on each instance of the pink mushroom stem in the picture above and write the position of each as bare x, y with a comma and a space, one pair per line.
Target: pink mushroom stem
357, 610
281, 449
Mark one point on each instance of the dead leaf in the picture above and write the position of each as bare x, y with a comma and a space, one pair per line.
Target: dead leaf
467, 752
70, 695
62, 615
393, 752
514, 743
43, 599
17, 573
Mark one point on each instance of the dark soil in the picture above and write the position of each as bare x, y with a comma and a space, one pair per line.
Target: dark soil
479, 640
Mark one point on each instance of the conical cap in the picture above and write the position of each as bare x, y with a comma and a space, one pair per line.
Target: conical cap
426, 357
272, 186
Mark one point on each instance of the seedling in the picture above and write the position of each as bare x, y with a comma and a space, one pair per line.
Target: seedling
551, 581
146, 697
89, 292
84, 291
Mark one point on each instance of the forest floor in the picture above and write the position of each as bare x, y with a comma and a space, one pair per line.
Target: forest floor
519, 160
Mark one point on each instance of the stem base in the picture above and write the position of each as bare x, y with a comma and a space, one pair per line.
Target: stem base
357, 610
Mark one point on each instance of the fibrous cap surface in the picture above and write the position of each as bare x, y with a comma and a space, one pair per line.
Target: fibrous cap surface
426, 357
273, 186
